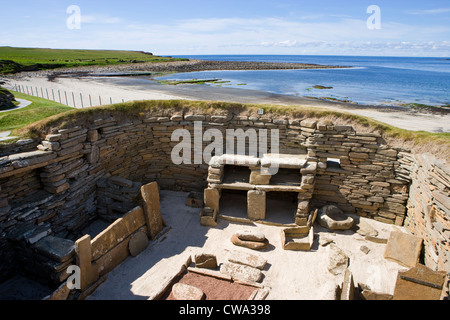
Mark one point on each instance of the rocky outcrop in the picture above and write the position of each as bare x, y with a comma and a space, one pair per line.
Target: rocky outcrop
6, 98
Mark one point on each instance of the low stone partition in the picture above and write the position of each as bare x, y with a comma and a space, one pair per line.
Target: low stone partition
127, 236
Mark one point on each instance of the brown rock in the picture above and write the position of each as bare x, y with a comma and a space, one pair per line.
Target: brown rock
247, 259
138, 243
331, 217
249, 244
256, 205
186, 292
241, 272
212, 198
338, 260
403, 248
419, 283
205, 261
250, 235
152, 210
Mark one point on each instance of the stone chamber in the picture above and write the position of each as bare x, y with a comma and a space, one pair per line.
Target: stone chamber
84, 173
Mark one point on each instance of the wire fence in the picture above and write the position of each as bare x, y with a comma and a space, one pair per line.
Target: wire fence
71, 99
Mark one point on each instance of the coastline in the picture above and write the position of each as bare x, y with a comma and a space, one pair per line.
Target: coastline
85, 90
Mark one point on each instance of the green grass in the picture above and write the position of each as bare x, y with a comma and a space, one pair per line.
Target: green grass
14, 59
38, 110
190, 81
322, 87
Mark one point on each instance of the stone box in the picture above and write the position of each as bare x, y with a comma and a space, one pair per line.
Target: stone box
297, 239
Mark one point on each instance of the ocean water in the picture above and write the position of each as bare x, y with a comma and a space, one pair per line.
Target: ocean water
371, 80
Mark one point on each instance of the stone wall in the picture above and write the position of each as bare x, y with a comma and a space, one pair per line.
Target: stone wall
369, 178
429, 208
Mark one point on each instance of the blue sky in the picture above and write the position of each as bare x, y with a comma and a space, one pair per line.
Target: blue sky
408, 28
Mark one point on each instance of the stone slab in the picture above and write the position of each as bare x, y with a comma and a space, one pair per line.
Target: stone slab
117, 232
403, 248
247, 259
185, 292
205, 261
241, 272
256, 202
419, 283
250, 235
212, 198
254, 245
88, 273
55, 248
297, 239
152, 209
138, 243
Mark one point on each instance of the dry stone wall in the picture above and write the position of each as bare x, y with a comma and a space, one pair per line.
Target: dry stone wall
57, 187
429, 208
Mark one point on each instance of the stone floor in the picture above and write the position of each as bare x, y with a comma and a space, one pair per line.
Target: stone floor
291, 275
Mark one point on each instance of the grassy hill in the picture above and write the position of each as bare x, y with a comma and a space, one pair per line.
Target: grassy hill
13, 60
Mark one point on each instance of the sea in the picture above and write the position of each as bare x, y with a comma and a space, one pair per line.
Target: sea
370, 80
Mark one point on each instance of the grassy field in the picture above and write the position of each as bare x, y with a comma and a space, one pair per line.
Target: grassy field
38, 110
14, 60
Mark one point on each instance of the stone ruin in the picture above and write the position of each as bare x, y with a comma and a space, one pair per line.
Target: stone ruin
55, 187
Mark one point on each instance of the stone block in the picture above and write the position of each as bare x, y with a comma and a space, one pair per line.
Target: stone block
138, 243
208, 217
254, 245
247, 259
403, 248
241, 272
212, 198
419, 283
250, 235
117, 232
88, 274
92, 135
152, 209
338, 260
297, 239
206, 261
256, 202
185, 292
257, 178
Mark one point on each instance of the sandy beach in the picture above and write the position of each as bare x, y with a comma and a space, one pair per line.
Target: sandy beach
85, 87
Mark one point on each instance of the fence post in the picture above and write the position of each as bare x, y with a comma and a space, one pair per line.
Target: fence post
46, 90
27, 91
100, 100
73, 98
42, 92
65, 94
53, 94
110, 100
81, 99
90, 100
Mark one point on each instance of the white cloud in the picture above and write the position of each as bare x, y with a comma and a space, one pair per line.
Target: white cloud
429, 11
100, 19
272, 35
